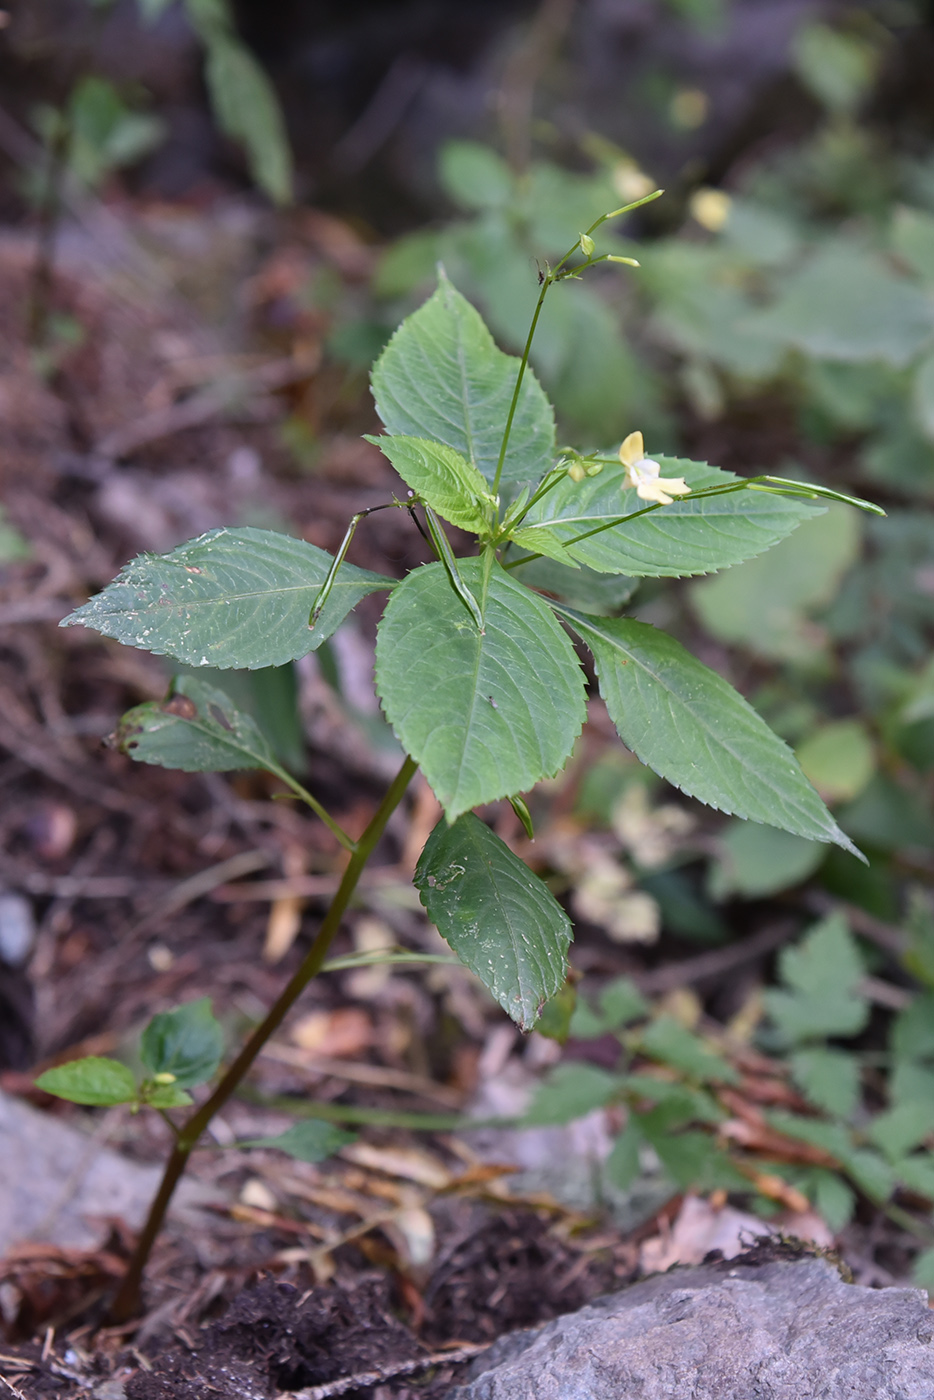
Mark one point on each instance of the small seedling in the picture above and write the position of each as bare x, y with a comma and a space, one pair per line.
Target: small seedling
477, 671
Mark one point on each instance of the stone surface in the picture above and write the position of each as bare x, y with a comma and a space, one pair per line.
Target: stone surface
789, 1329
59, 1185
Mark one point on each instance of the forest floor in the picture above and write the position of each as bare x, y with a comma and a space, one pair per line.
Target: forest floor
186, 360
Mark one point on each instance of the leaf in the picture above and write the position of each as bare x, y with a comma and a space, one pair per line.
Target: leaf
485, 714
243, 99
230, 598
571, 1091
500, 919
917, 1173
440, 476
755, 861
165, 1096
623, 1166
557, 1014
818, 313
765, 604
694, 535
822, 976
900, 1129
579, 587
310, 1141
839, 759
673, 1044
829, 1078
186, 1042
838, 68
92, 1080
913, 240
196, 729
442, 377
538, 539
474, 176
620, 1003
922, 1270
693, 728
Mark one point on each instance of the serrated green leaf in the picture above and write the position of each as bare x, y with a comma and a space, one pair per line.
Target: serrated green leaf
187, 1042
902, 1128
693, 535
442, 377
912, 1036
823, 974
230, 598
833, 1199
310, 1141
673, 1044
828, 1078
538, 539
690, 725
499, 918
92, 1080
569, 1092
485, 714
440, 476
196, 729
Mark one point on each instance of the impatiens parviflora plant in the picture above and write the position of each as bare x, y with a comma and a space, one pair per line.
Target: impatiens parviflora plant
476, 666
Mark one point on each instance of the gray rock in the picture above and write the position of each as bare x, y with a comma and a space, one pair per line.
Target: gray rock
59, 1185
783, 1330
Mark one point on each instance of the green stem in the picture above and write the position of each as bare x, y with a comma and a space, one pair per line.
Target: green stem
348, 843
127, 1302
546, 283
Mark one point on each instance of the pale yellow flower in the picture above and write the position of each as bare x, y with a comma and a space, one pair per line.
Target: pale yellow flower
643, 474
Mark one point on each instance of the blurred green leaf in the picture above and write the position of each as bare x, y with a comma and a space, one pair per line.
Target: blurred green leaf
839, 759
673, 1044
889, 816
838, 68
818, 314
898, 1130
93, 1080
913, 240
557, 1014
623, 1166
310, 1141
186, 1042
829, 1078
570, 1091
243, 99
821, 975
620, 1002
765, 604
756, 861
474, 176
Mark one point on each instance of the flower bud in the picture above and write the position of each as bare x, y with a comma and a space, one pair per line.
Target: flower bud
587, 245
164, 1078
576, 471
